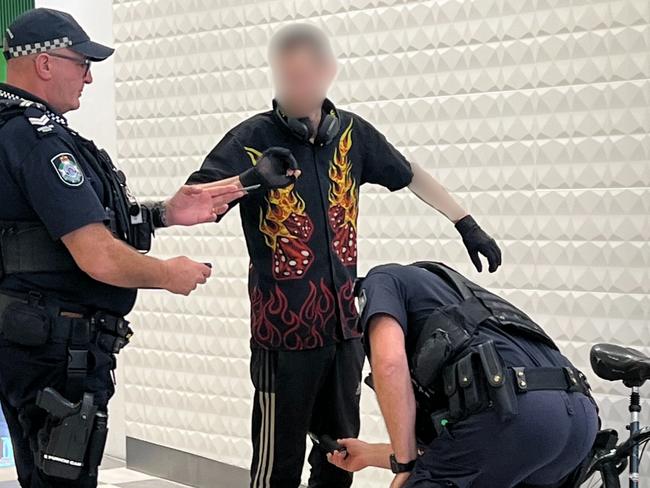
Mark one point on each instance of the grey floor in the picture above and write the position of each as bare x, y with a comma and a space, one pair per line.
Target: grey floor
113, 474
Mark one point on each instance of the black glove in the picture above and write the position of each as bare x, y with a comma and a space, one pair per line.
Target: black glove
477, 241
271, 170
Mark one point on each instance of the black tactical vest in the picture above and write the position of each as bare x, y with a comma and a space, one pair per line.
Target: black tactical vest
448, 331
26, 247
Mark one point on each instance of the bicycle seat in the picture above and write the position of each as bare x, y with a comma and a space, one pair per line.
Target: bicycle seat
616, 363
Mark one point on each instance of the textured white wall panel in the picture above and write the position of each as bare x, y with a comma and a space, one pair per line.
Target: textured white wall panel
536, 113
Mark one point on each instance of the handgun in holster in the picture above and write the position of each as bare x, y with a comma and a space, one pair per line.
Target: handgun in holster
73, 437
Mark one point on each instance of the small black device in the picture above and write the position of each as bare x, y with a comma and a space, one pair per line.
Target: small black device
327, 444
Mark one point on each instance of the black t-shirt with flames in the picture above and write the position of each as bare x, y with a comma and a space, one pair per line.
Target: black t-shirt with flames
302, 240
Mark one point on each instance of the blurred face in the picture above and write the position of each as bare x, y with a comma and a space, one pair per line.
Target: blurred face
302, 77
68, 72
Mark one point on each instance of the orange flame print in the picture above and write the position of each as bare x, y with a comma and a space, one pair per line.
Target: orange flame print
343, 198
286, 228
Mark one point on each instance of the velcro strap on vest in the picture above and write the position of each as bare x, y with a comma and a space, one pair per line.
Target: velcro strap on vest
26, 247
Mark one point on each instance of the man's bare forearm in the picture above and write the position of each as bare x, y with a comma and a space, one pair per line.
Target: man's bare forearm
379, 455
431, 192
392, 382
112, 261
395, 396
130, 269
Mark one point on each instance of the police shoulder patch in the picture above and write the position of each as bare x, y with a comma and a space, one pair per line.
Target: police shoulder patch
68, 169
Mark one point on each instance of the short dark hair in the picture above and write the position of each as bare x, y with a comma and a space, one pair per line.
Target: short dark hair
300, 35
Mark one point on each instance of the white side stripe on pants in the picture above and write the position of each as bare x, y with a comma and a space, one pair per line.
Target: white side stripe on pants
266, 400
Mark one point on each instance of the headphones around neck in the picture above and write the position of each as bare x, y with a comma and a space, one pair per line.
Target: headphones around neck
301, 127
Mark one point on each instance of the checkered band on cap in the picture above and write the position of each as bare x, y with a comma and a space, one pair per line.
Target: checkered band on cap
26, 103
38, 47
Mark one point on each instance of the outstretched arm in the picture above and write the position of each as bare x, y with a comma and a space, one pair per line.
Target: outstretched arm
200, 203
104, 258
197, 204
476, 240
431, 192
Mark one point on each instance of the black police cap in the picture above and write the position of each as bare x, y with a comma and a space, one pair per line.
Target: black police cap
43, 29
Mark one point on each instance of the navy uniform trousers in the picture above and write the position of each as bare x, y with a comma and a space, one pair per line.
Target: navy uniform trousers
552, 434
23, 372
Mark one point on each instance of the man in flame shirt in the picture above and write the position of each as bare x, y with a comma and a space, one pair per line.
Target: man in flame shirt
307, 355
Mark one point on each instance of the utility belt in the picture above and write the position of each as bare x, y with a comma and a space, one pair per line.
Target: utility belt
74, 434
480, 381
34, 320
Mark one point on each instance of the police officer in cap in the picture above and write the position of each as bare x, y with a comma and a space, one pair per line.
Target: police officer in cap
72, 245
473, 392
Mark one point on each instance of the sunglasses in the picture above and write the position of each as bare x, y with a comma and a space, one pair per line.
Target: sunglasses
84, 62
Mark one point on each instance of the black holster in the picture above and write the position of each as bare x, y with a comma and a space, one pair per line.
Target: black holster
73, 437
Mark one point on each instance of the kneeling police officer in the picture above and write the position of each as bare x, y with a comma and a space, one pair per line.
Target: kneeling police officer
473, 392
72, 244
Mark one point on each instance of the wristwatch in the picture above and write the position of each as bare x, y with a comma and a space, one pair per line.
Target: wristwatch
159, 214
397, 468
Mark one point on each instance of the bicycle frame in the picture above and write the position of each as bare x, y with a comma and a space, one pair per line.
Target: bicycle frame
635, 410
611, 460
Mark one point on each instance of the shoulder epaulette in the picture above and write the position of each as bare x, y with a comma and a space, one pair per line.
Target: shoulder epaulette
35, 113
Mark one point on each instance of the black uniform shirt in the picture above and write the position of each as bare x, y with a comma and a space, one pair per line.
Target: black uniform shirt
302, 240
44, 178
410, 294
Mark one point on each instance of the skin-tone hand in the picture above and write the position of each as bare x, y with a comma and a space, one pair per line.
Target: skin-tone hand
107, 259
182, 275
360, 455
400, 480
196, 204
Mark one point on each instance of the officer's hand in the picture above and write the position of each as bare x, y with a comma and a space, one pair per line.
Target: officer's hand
196, 204
400, 480
477, 241
355, 458
182, 275
276, 168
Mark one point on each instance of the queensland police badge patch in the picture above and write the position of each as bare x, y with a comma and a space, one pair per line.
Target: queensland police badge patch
68, 169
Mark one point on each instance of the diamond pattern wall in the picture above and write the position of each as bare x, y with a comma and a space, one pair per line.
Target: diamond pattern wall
535, 113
